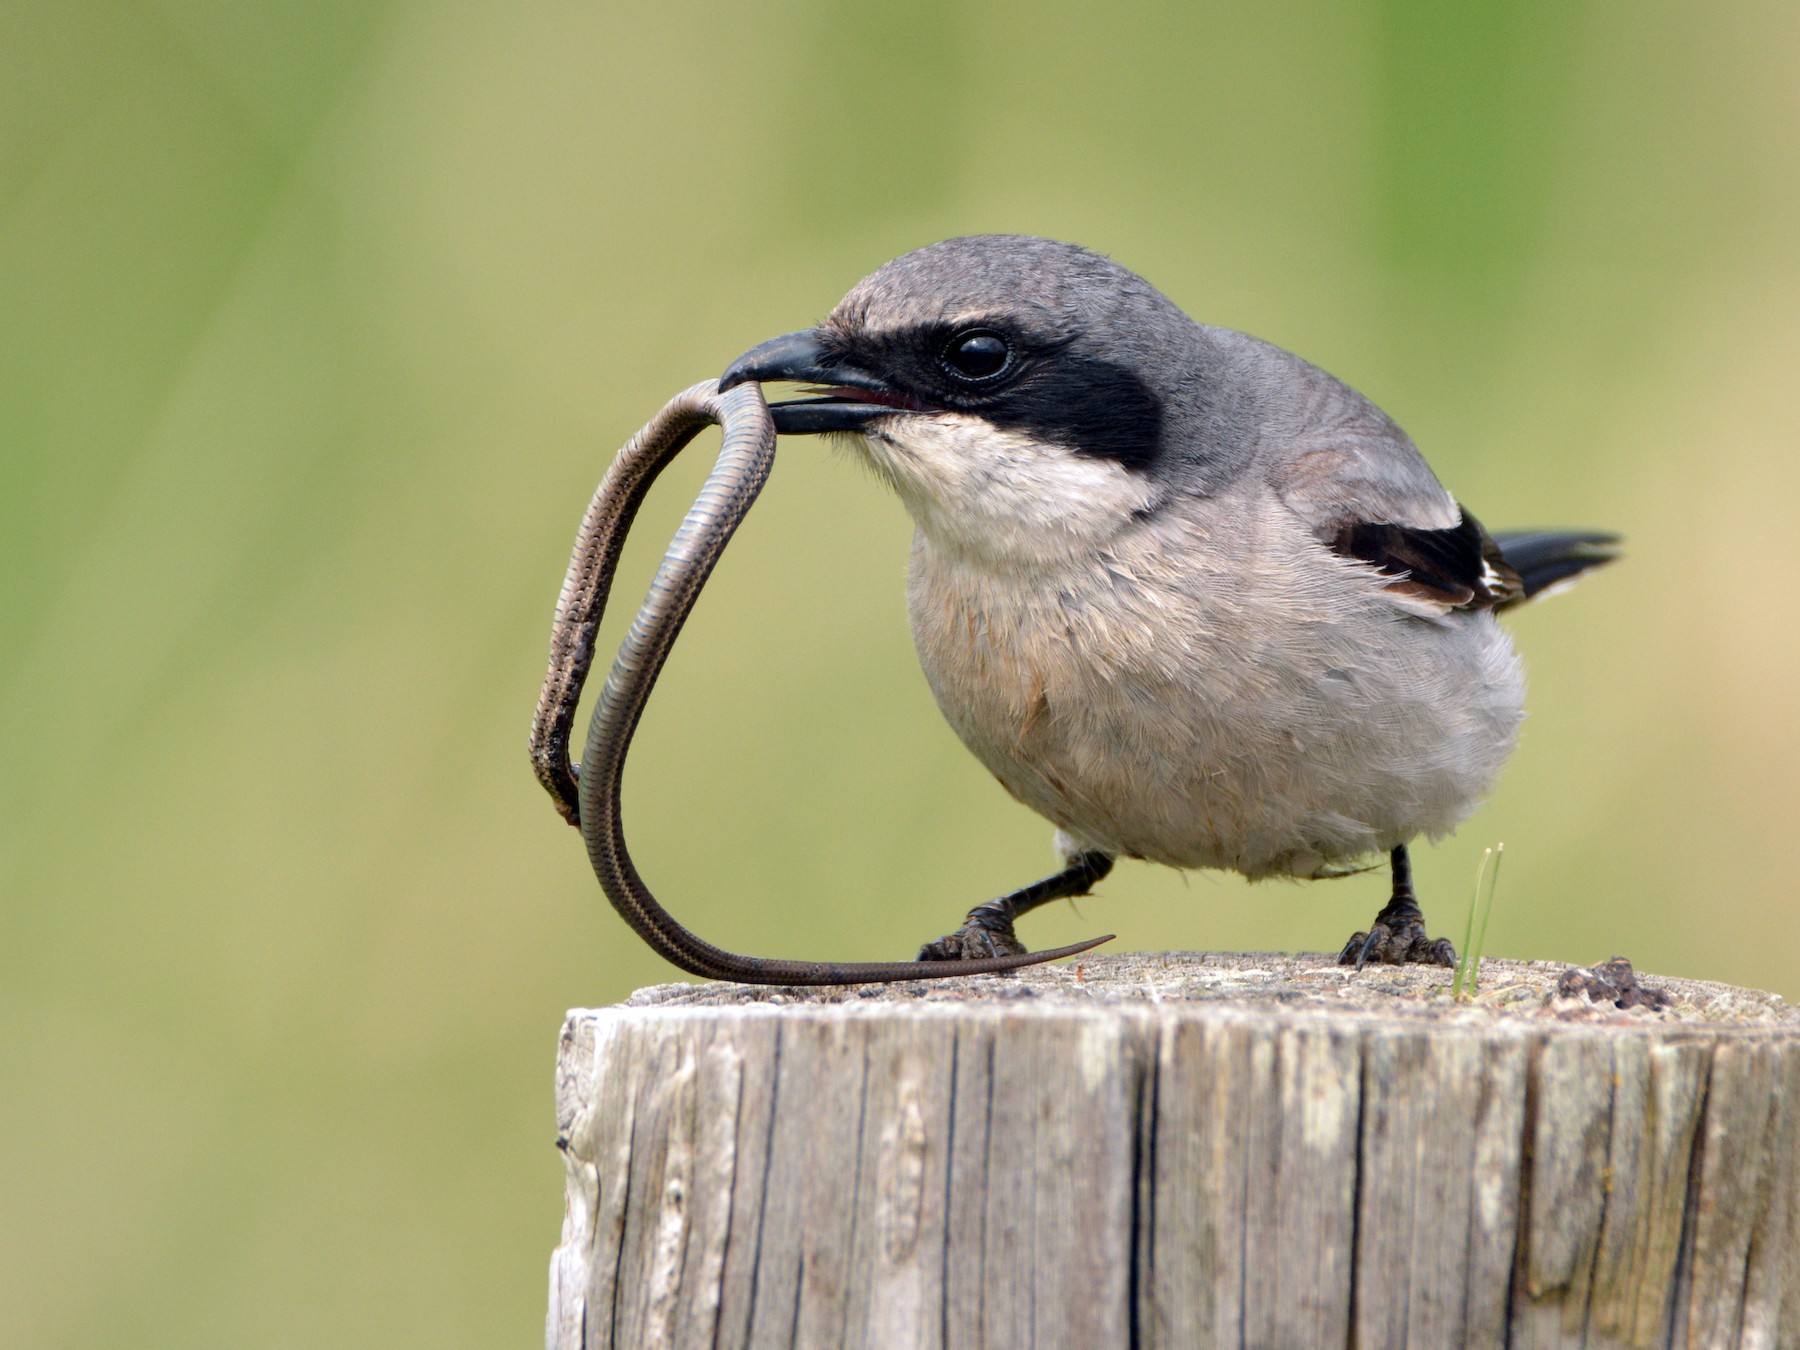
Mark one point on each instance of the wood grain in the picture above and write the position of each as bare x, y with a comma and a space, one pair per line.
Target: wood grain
1178, 1151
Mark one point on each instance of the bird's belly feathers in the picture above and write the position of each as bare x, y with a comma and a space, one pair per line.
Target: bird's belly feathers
1267, 721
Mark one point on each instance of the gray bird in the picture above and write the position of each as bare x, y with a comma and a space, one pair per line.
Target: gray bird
1188, 597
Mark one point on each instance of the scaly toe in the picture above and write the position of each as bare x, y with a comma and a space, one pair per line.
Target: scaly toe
974, 941
1431, 952
1405, 944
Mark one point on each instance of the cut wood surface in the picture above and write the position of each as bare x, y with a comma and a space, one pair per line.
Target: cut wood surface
1180, 1150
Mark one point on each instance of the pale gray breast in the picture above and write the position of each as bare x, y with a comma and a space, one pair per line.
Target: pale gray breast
1257, 704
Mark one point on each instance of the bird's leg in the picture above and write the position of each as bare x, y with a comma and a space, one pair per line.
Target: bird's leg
988, 930
1397, 937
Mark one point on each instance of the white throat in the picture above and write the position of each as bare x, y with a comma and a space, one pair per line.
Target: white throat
1000, 496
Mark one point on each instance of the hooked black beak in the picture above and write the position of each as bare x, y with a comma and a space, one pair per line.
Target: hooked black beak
849, 398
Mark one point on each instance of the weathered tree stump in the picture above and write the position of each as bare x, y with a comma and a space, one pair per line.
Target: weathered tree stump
1180, 1151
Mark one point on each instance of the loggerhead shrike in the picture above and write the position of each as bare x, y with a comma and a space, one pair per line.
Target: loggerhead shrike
1188, 597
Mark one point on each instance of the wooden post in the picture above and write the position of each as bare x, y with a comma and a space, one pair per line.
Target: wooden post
1180, 1151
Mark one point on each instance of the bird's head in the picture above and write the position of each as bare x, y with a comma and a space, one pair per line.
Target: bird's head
1015, 391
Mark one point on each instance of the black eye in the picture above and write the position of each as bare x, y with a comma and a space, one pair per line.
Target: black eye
977, 354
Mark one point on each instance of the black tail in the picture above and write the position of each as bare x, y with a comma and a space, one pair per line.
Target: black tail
1545, 559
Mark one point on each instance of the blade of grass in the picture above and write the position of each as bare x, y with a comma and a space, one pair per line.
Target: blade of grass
1486, 911
1462, 960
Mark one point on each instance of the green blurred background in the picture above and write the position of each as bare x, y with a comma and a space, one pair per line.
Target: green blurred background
319, 323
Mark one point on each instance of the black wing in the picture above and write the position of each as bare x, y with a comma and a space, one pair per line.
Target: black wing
1461, 567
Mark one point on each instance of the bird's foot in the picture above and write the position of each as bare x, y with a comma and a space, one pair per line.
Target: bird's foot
988, 931
1397, 940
